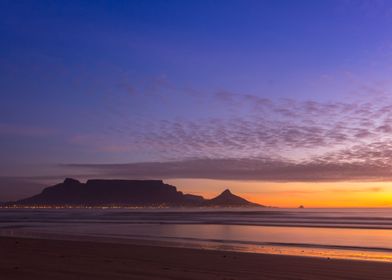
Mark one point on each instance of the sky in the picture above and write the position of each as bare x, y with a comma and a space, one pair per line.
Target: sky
287, 103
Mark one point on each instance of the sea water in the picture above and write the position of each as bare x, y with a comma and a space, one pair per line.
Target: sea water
334, 233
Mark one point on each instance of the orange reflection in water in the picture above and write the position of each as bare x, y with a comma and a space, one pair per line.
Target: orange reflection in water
360, 244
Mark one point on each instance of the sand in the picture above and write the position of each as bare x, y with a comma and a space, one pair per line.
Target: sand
52, 259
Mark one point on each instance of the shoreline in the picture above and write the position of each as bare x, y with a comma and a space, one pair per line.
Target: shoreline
280, 249
27, 258
161, 229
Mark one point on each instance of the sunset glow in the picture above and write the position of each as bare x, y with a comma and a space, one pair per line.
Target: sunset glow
329, 194
292, 106
196, 139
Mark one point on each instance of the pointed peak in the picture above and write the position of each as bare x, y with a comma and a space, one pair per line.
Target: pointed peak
228, 199
71, 181
226, 191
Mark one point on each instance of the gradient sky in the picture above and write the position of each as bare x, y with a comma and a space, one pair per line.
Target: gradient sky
285, 102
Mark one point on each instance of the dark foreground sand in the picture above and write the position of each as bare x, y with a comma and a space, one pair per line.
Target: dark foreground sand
51, 259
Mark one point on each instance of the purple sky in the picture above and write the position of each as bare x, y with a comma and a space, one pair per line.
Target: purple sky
287, 91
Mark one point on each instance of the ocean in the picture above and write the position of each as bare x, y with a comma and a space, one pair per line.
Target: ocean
331, 233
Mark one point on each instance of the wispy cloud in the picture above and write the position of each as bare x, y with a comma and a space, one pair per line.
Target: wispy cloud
249, 137
245, 169
251, 126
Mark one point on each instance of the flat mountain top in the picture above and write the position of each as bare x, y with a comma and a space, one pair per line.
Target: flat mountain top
142, 193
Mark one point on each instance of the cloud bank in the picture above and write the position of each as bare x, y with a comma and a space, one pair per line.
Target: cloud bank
248, 137
244, 169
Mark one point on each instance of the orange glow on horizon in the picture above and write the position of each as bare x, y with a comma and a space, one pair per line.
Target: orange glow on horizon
293, 194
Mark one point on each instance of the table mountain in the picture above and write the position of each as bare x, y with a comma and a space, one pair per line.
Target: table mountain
143, 193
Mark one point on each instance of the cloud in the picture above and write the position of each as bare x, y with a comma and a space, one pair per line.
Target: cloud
249, 137
245, 169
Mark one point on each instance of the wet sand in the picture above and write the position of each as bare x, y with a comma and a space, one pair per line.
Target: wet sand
52, 259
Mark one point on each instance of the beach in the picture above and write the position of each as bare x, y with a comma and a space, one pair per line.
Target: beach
23, 258
337, 233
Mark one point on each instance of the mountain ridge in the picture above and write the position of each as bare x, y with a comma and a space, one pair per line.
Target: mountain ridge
125, 193
229, 199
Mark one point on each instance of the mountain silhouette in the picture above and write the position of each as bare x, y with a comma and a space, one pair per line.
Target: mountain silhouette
226, 198
125, 193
